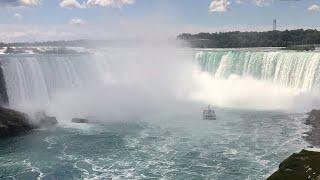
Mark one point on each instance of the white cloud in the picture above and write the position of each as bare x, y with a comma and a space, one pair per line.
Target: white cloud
17, 16
93, 3
29, 2
219, 5
77, 22
110, 3
19, 3
71, 4
239, 1
314, 8
263, 2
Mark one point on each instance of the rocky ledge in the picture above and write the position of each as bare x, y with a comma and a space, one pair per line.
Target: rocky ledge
313, 137
80, 120
41, 119
306, 164
13, 123
303, 165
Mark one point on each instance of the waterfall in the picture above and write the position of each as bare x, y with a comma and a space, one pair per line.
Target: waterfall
289, 69
110, 80
37, 78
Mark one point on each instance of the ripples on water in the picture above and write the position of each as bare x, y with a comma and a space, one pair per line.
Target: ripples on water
239, 145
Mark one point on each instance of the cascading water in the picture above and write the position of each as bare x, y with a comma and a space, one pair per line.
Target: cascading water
97, 84
36, 79
290, 69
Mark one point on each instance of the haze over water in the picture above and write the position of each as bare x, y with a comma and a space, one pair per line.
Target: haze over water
146, 105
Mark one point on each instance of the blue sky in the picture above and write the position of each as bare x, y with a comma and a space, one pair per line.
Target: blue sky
29, 20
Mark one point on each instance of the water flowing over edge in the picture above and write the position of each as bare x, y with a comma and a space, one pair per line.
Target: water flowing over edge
290, 69
240, 79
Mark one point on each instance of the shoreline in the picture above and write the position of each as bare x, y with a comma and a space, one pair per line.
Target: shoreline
313, 136
306, 163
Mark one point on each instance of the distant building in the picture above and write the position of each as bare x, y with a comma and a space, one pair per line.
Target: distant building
274, 24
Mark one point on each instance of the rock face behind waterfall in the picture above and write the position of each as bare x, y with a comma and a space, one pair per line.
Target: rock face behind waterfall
13, 123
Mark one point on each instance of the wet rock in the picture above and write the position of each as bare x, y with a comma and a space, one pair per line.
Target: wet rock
303, 165
80, 120
4, 100
48, 121
313, 120
13, 123
43, 120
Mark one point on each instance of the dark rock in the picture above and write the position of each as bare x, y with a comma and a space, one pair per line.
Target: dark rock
13, 123
4, 100
48, 121
43, 120
79, 120
313, 137
303, 165
288, 169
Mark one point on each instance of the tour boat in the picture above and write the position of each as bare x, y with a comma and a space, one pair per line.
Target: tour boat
209, 114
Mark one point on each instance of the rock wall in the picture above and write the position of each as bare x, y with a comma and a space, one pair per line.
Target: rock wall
13, 123
299, 166
313, 137
4, 100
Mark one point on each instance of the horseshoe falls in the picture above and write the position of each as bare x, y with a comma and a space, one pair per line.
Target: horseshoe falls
39, 79
289, 69
282, 80
144, 107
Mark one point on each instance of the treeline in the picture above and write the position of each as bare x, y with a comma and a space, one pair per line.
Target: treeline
239, 39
